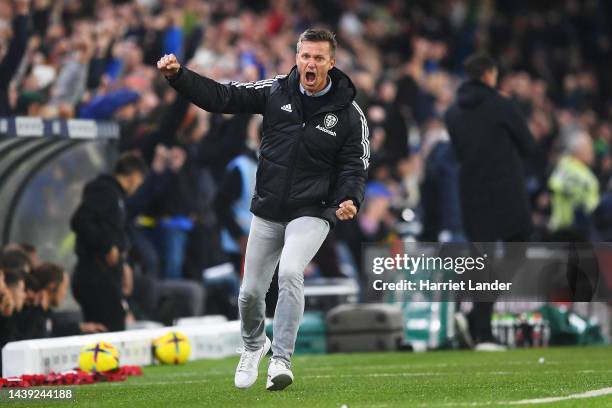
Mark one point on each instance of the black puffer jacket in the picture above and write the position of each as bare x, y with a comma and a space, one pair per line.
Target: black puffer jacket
307, 166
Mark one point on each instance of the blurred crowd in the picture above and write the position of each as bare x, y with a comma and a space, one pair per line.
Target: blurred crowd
30, 291
96, 60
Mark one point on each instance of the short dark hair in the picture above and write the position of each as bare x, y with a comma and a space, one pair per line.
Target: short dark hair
27, 248
47, 273
477, 64
130, 163
12, 278
31, 283
15, 259
319, 34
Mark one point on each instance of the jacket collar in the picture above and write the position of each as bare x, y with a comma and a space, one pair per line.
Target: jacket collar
321, 92
112, 181
343, 89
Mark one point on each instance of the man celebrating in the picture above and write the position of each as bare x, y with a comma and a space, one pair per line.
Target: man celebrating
312, 169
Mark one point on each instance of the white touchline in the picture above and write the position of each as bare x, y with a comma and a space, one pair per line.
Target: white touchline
588, 394
144, 384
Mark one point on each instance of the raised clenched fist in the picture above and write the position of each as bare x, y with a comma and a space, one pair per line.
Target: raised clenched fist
168, 65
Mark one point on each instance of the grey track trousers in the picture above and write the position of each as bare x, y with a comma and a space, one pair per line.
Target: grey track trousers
294, 244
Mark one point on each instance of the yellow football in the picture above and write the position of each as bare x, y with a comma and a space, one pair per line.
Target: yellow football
172, 348
99, 357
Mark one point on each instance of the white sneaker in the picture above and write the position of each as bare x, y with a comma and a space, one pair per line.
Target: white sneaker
246, 372
279, 375
490, 346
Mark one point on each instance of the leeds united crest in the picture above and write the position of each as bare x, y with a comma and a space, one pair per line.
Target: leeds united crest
330, 120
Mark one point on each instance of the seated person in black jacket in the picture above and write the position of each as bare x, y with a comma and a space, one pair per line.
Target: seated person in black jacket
15, 289
15, 283
36, 320
7, 322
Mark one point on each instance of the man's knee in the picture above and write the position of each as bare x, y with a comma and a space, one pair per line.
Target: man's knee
249, 294
291, 275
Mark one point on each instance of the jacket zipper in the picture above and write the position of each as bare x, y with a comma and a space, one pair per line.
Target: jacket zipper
296, 102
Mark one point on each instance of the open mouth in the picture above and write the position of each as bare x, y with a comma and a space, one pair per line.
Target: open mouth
310, 77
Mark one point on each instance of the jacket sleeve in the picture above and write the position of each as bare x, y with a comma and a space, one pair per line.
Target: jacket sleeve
246, 97
519, 131
353, 161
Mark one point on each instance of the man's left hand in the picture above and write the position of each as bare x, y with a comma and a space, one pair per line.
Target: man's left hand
127, 280
346, 210
92, 327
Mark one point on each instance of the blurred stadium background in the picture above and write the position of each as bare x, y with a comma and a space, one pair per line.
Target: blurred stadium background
79, 87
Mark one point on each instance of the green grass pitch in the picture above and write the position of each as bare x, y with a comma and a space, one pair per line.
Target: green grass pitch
434, 379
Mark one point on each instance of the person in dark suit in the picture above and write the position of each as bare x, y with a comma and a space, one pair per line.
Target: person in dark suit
101, 273
490, 138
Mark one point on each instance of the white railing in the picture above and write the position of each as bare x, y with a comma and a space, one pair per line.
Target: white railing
212, 340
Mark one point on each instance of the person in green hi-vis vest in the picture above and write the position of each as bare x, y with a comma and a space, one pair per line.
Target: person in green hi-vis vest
575, 190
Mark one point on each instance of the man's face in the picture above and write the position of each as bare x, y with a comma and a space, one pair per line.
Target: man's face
314, 61
585, 152
134, 181
490, 77
19, 295
32, 297
58, 293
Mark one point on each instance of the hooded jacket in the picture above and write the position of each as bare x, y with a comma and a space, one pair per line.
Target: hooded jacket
100, 220
490, 138
307, 165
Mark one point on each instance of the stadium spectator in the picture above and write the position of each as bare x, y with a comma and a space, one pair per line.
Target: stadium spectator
385, 113
15, 282
12, 51
234, 199
172, 214
12, 298
37, 319
154, 184
32, 253
575, 191
224, 141
6, 311
101, 273
489, 137
154, 297
232, 208
440, 188
14, 258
